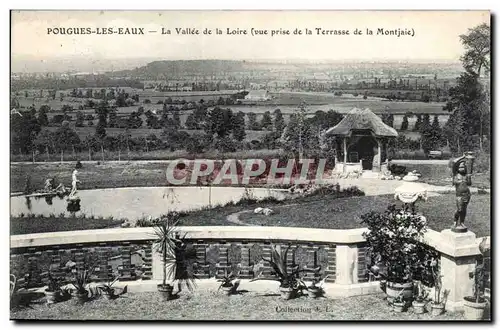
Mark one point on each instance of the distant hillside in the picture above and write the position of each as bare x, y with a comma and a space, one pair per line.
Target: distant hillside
182, 69
157, 69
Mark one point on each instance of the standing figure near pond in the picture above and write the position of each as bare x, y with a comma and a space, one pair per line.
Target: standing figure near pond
462, 179
74, 181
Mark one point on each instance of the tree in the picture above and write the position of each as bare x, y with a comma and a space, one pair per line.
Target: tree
471, 99
102, 112
266, 121
191, 122
435, 137
388, 119
300, 135
425, 133
239, 133
176, 119
121, 100
65, 137
220, 122
80, 117
252, 122
45, 142
100, 130
112, 118
174, 138
152, 120
279, 122
43, 120
196, 144
24, 129
271, 140
88, 93
477, 43
66, 108
454, 131
418, 123
404, 124
134, 120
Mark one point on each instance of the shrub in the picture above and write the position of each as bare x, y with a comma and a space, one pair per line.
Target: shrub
420, 154
393, 239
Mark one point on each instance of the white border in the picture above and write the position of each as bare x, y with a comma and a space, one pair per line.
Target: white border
190, 4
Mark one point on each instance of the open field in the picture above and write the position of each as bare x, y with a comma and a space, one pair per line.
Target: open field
210, 305
113, 175
287, 102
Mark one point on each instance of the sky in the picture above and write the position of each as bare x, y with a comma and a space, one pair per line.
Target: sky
436, 35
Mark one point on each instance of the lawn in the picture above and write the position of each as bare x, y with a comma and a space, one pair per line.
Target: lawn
30, 224
113, 175
345, 213
209, 305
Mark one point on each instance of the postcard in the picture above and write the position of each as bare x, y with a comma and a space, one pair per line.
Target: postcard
250, 165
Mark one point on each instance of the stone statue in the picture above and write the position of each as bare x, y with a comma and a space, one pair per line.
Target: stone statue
49, 185
74, 181
462, 179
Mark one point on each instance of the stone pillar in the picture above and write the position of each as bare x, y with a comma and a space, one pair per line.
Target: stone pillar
331, 269
456, 268
362, 263
126, 266
345, 152
378, 160
266, 253
156, 263
347, 264
223, 260
290, 257
147, 266
312, 269
202, 269
246, 266
102, 253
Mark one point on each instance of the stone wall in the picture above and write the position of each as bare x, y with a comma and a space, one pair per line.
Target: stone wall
338, 256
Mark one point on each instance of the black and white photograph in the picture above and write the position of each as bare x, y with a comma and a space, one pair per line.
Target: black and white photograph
244, 165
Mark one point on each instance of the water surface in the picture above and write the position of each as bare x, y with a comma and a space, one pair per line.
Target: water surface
134, 203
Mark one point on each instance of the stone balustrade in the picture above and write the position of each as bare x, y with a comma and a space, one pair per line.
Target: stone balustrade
338, 256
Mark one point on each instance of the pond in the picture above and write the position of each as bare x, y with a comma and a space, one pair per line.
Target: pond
134, 203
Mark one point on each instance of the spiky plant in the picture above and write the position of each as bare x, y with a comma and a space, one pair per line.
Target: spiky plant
82, 276
174, 252
287, 275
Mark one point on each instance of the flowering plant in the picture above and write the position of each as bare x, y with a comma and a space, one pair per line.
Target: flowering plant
393, 239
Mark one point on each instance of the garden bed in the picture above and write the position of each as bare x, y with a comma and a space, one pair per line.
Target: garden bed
207, 305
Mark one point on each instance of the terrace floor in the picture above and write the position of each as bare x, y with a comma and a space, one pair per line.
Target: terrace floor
211, 305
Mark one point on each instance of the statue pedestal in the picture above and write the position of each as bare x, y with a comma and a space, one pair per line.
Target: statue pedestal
454, 238
459, 229
456, 265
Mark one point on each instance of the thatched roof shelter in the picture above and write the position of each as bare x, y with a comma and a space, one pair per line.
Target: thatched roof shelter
362, 119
